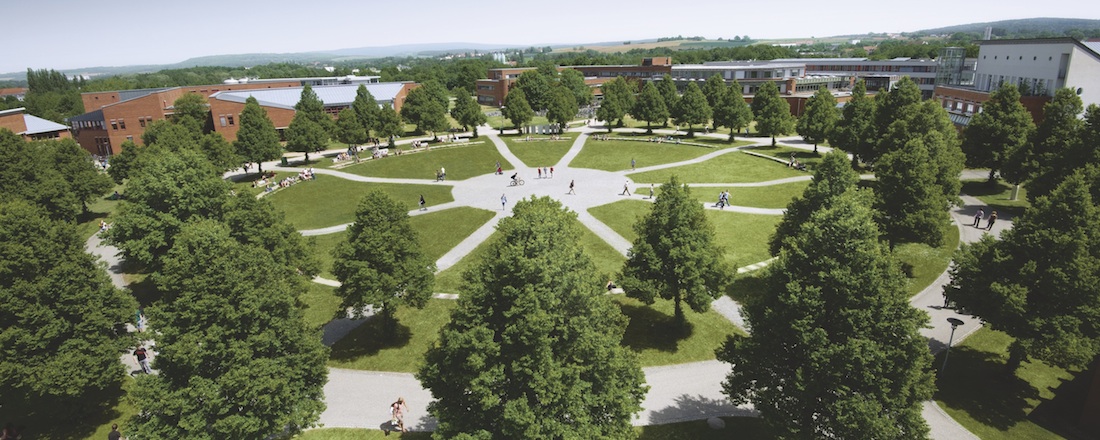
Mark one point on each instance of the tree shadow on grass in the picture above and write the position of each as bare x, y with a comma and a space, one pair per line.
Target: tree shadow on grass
652, 329
746, 288
368, 340
145, 291
45, 418
975, 382
1062, 414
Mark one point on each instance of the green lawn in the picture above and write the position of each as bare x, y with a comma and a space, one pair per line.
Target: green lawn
417, 329
539, 153
92, 419
975, 391
732, 167
616, 155
450, 280
462, 161
923, 263
100, 209
245, 183
319, 304
654, 334
770, 197
746, 428
807, 157
330, 201
744, 236
998, 196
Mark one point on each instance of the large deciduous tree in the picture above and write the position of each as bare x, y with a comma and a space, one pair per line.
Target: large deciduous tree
618, 99
675, 256
573, 80
236, 358
381, 263
191, 111
835, 350
832, 177
311, 127
257, 141
856, 131
389, 124
817, 122
1041, 282
534, 349
714, 88
86, 183
693, 109
467, 112
61, 319
349, 130
536, 85
366, 109
650, 107
427, 109
1054, 150
732, 111
669, 95
772, 112
36, 172
1002, 126
563, 107
517, 109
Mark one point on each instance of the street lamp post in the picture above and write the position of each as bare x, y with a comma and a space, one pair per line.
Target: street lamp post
955, 323
502, 119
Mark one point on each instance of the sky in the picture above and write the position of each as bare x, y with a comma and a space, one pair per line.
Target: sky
71, 34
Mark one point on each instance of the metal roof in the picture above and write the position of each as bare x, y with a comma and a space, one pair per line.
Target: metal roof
34, 124
332, 96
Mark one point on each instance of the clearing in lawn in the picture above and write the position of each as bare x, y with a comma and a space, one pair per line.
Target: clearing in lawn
998, 196
732, 167
540, 151
616, 155
330, 201
461, 161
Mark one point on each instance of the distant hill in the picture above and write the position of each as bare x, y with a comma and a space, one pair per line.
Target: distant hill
1027, 26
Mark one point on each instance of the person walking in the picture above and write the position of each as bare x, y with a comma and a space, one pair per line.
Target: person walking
978, 218
503, 202
539, 171
114, 434
397, 413
571, 188
651, 191
991, 220
551, 172
626, 189
142, 357
422, 208
632, 164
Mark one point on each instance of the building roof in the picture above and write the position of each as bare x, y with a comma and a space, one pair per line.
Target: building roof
341, 95
13, 91
35, 124
1090, 46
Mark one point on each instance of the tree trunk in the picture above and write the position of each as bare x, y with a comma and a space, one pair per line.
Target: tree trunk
389, 322
815, 147
678, 313
691, 131
731, 134
773, 141
475, 132
1017, 354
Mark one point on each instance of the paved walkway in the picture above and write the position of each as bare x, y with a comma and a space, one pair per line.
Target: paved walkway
360, 399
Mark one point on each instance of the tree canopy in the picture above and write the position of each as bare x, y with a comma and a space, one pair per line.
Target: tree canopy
426, 106
534, 349
563, 107
675, 256
311, 127
1002, 126
772, 112
650, 107
1055, 150
366, 109
856, 131
832, 177
693, 108
257, 141
817, 122
57, 176
467, 112
618, 100
732, 111
516, 109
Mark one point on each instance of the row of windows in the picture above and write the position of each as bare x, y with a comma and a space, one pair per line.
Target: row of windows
1018, 58
223, 119
866, 68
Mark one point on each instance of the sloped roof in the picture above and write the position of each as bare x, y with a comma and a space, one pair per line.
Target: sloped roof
33, 123
341, 95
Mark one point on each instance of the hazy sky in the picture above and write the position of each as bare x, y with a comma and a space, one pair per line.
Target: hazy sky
67, 34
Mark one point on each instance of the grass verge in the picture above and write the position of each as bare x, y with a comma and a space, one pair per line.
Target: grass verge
732, 167
416, 330
998, 196
616, 155
319, 304
770, 197
747, 428
330, 201
658, 340
922, 264
539, 153
461, 162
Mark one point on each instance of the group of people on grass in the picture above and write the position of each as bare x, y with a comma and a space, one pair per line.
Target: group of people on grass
794, 163
723, 200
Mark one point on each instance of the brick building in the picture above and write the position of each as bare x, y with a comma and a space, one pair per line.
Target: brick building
31, 127
117, 116
492, 90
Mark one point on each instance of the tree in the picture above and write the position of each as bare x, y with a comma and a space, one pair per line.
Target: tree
467, 112
1003, 125
714, 88
894, 110
536, 88
311, 127
257, 141
366, 109
191, 111
258, 224
1049, 157
573, 80
1041, 282
123, 162
516, 109
817, 122
669, 94
236, 358
649, 106
674, 256
693, 108
910, 203
219, 152
60, 316
772, 112
534, 349
349, 130
856, 131
835, 350
389, 124
618, 99
832, 177
423, 108
563, 107
86, 183
30, 173
381, 264
732, 111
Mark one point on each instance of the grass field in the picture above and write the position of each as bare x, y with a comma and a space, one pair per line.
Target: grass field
923, 263
330, 201
417, 329
319, 304
100, 209
732, 167
616, 155
998, 196
976, 392
462, 161
539, 153
770, 197
654, 334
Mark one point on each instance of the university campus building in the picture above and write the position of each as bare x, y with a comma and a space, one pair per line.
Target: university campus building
1038, 67
117, 116
492, 90
30, 127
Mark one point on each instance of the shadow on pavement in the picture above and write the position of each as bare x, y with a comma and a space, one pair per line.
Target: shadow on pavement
697, 408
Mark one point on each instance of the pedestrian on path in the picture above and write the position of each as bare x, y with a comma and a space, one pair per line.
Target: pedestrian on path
978, 218
571, 188
142, 357
632, 164
991, 220
503, 202
397, 414
651, 191
114, 434
539, 171
422, 208
626, 189
551, 172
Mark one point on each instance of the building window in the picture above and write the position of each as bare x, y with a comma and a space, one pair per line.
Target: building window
122, 124
222, 119
114, 124
229, 118
141, 122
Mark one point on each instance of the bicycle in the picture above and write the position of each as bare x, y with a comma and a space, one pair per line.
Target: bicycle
516, 182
